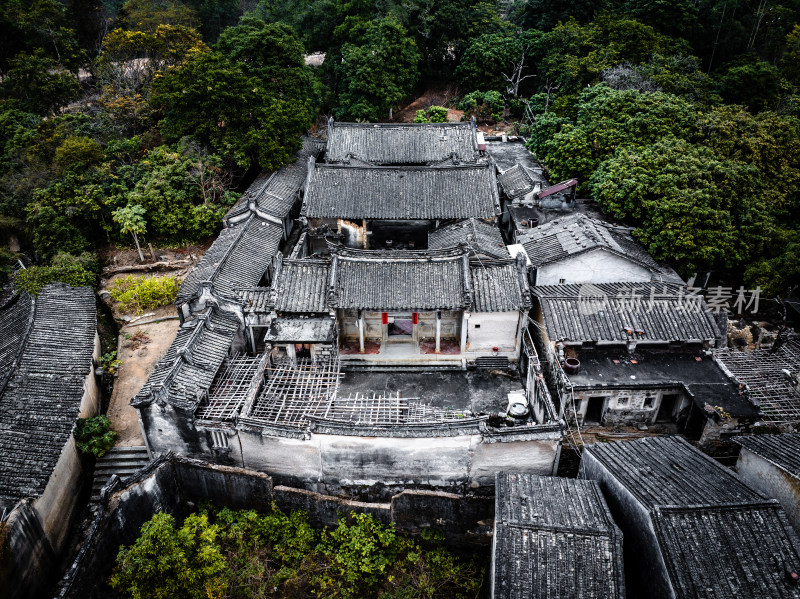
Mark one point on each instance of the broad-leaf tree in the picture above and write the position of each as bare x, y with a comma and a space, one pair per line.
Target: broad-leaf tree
131, 220
379, 73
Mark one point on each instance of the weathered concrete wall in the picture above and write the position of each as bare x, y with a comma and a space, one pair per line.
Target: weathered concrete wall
626, 406
598, 266
645, 569
772, 481
29, 561
174, 484
492, 329
532, 457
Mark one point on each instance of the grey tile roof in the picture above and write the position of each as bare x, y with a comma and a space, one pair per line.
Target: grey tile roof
239, 257
415, 193
254, 299
301, 286
405, 143
42, 398
736, 551
668, 471
16, 318
400, 280
781, 450
554, 537
498, 286
276, 193
602, 313
191, 362
578, 233
479, 236
517, 181
302, 330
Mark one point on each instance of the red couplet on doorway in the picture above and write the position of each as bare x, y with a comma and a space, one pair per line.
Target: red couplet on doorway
384, 318
414, 318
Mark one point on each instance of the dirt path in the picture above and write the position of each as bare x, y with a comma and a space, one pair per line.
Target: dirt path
139, 354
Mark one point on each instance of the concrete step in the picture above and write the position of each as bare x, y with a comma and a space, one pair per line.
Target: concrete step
122, 461
494, 362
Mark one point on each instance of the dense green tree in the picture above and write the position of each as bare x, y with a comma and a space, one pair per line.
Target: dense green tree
692, 208
147, 15
608, 119
39, 83
271, 53
212, 100
769, 142
167, 562
672, 17
127, 66
379, 73
790, 62
756, 83
500, 61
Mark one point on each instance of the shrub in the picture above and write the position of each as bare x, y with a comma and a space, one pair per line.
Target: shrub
167, 562
434, 114
35, 278
109, 362
93, 436
484, 106
136, 294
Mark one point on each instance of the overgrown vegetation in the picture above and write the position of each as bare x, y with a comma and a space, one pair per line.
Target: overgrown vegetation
137, 294
245, 554
93, 436
183, 97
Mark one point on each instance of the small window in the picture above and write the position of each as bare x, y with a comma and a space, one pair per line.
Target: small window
648, 402
622, 401
562, 281
219, 440
477, 326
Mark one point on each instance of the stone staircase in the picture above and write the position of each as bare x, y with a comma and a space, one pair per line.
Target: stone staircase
492, 362
122, 461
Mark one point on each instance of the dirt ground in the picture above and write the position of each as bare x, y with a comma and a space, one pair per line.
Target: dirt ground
139, 354
144, 340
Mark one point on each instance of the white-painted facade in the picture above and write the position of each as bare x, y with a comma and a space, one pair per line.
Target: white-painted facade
596, 266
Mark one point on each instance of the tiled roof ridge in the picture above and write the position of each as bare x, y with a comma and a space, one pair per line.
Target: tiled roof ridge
202, 321
347, 253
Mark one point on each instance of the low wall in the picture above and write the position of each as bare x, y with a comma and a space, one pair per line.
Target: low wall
177, 484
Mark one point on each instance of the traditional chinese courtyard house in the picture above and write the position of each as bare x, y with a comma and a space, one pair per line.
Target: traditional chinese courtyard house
310, 361
639, 353
554, 537
771, 464
692, 527
48, 349
578, 248
378, 207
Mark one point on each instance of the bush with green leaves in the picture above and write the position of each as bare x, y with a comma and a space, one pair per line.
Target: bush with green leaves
434, 114
167, 562
35, 278
484, 106
93, 436
137, 294
282, 555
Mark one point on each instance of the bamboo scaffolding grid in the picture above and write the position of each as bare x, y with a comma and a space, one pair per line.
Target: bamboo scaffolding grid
761, 370
229, 390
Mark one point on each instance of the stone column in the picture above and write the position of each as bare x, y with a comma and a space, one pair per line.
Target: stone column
464, 327
438, 332
361, 325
